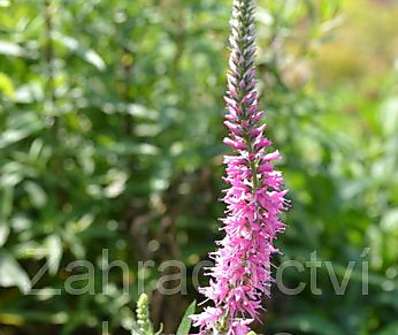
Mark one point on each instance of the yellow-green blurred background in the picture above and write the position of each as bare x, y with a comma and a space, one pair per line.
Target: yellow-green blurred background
111, 138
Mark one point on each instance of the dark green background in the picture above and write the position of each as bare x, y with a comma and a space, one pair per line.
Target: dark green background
111, 137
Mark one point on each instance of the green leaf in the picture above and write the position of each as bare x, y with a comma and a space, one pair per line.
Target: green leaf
11, 49
20, 126
72, 44
4, 232
54, 247
6, 86
37, 196
389, 222
142, 111
186, 322
389, 116
12, 274
7, 194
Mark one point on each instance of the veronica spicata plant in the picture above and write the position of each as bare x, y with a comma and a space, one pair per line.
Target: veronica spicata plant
143, 325
255, 198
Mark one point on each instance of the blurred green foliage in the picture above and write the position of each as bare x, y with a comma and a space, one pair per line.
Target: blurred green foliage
111, 116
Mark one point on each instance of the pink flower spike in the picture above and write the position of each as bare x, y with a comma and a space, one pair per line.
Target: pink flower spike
255, 197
